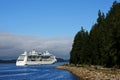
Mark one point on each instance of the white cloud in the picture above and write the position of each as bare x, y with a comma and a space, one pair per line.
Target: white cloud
11, 45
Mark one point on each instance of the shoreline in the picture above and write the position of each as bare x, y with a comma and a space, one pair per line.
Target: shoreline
92, 72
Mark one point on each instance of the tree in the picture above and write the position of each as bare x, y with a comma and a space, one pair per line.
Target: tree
102, 45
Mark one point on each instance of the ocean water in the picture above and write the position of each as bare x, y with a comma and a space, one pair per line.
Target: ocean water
39, 72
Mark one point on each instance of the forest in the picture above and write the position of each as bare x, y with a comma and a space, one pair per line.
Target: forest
101, 45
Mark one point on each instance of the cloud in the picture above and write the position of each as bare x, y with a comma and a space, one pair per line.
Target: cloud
12, 45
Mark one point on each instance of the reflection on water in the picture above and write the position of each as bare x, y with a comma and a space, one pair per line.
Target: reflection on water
40, 72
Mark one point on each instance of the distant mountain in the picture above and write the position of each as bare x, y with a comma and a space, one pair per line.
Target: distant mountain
7, 61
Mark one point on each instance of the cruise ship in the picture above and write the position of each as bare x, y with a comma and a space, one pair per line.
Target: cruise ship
35, 58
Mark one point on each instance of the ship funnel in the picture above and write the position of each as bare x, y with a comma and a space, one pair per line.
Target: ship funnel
25, 53
33, 52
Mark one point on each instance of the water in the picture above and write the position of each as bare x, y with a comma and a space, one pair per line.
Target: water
40, 72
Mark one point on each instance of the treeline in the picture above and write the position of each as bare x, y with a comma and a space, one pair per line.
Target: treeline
100, 46
61, 60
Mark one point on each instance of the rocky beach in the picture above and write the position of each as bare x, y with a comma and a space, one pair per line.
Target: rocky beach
92, 72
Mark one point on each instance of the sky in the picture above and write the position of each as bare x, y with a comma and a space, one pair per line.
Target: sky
45, 24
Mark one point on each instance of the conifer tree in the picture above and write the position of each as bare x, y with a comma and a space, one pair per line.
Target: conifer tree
101, 46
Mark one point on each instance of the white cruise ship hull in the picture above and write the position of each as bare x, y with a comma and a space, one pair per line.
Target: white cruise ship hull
35, 59
22, 63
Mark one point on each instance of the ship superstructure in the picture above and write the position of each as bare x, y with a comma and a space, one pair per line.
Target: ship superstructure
35, 58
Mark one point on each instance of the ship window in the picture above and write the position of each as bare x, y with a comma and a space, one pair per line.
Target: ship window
29, 58
45, 57
33, 58
21, 58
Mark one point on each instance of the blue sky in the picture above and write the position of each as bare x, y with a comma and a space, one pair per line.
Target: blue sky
50, 17
45, 24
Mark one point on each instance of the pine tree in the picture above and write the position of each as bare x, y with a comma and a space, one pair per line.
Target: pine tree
102, 45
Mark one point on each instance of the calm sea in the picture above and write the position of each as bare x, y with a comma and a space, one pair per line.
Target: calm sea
41, 72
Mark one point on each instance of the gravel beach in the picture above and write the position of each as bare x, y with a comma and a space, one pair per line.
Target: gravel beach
92, 73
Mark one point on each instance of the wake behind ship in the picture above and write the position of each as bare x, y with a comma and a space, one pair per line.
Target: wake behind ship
35, 58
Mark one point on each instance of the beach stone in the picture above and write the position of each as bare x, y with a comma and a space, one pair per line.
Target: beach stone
91, 73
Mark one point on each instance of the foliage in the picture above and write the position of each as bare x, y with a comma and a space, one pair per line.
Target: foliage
101, 46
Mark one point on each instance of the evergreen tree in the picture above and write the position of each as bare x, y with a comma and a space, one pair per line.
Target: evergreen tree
102, 45
78, 47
